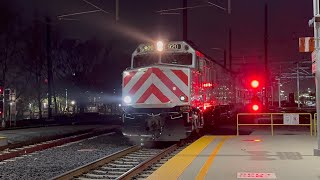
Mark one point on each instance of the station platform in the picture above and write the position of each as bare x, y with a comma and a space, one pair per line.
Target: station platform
29, 134
285, 157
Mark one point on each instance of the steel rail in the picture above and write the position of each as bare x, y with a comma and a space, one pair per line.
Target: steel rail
93, 165
144, 165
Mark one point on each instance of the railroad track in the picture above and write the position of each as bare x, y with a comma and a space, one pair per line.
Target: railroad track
133, 162
23, 150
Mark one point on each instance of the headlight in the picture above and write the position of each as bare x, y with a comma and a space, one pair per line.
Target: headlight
160, 46
182, 98
127, 99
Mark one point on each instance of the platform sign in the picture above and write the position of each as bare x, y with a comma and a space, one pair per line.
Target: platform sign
290, 119
254, 175
306, 44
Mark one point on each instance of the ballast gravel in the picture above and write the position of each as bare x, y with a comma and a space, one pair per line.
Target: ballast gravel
52, 162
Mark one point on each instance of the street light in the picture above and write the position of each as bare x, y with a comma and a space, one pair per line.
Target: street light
73, 102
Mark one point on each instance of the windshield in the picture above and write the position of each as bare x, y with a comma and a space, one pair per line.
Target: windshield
145, 60
168, 58
181, 59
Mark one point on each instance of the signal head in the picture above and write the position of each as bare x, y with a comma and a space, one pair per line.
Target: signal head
255, 107
255, 83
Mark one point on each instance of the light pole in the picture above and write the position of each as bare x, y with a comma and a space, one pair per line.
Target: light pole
316, 27
117, 11
272, 94
279, 90
298, 85
66, 99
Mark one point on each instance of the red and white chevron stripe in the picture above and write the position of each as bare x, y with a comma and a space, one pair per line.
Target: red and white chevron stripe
157, 85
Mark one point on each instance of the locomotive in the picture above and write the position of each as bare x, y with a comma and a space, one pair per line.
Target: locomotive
168, 89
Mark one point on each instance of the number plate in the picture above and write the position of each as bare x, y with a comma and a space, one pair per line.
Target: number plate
251, 175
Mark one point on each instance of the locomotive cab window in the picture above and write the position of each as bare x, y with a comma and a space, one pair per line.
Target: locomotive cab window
145, 60
177, 58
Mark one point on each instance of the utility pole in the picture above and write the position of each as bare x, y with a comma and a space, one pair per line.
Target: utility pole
279, 92
117, 11
233, 84
316, 26
230, 35
224, 58
49, 65
298, 84
266, 54
185, 20
66, 99
230, 49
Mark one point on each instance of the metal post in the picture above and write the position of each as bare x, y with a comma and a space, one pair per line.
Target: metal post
117, 11
230, 49
185, 20
230, 36
10, 114
271, 125
237, 124
224, 58
66, 99
272, 94
49, 66
229, 6
279, 98
317, 76
298, 85
266, 54
3, 123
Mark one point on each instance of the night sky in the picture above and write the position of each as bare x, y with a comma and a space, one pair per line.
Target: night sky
139, 22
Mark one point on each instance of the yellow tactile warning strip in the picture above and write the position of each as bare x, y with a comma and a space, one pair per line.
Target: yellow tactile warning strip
203, 172
176, 165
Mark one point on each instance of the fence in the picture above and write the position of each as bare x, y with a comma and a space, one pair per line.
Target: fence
288, 121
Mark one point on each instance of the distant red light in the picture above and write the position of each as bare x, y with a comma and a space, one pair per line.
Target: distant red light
254, 83
207, 85
255, 107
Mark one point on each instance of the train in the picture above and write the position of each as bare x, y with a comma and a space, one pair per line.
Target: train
168, 89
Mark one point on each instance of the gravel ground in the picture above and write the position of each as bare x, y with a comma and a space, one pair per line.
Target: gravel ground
52, 162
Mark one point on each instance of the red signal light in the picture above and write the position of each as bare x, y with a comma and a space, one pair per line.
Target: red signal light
255, 107
254, 83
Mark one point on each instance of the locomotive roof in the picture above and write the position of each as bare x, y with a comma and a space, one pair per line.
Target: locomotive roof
194, 46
